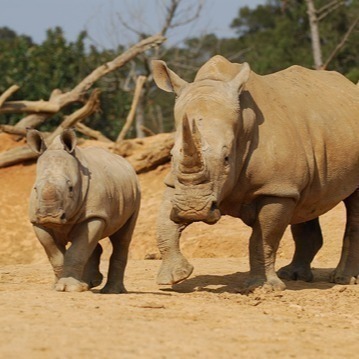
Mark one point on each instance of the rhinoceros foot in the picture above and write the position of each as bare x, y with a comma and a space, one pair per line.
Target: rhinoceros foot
70, 284
342, 278
93, 279
110, 288
174, 271
269, 285
296, 272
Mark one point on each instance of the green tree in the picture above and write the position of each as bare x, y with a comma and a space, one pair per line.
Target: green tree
277, 35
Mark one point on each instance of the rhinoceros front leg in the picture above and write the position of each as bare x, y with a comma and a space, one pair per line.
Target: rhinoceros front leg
174, 267
347, 271
55, 251
308, 240
120, 243
273, 216
84, 238
92, 275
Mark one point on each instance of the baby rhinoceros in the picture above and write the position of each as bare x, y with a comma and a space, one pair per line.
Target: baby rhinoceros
80, 196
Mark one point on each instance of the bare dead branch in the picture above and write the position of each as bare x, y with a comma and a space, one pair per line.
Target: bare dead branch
29, 107
329, 8
329, 5
89, 132
139, 84
341, 44
188, 19
171, 10
8, 93
75, 95
20, 154
147, 131
12, 130
91, 106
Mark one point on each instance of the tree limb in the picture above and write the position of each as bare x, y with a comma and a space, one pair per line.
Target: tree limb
91, 106
341, 44
329, 10
20, 154
63, 99
89, 132
12, 130
30, 107
139, 84
7, 94
314, 34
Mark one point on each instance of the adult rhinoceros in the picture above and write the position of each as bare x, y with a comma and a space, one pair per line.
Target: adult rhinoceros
272, 150
81, 196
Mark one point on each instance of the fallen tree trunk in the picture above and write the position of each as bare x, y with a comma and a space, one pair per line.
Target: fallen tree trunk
146, 153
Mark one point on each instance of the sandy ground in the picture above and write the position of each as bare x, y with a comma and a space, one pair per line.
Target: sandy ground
203, 317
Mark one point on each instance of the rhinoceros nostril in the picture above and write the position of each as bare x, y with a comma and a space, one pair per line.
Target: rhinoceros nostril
213, 206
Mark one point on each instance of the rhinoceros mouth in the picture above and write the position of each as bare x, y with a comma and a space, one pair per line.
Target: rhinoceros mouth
51, 220
210, 214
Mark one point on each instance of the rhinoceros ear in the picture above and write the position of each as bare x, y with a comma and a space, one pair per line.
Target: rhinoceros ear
35, 141
242, 77
166, 79
69, 139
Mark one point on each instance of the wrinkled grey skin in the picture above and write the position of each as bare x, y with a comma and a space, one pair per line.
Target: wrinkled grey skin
81, 196
271, 150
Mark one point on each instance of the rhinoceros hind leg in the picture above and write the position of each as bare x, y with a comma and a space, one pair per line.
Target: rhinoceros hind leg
120, 242
308, 240
347, 271
92, 275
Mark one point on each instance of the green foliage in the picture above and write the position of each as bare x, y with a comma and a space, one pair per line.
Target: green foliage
277, 35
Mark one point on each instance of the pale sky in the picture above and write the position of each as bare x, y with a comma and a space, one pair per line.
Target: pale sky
100, 18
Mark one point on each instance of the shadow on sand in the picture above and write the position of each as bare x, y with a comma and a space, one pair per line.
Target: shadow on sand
234, 283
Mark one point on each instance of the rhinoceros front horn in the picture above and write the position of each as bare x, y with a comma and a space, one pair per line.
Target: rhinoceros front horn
192, 160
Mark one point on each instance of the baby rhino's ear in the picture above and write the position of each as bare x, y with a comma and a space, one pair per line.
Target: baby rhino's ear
35, 141
166, 79
69, 139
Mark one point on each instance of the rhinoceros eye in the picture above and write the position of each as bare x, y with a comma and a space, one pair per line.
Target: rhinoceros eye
71, 188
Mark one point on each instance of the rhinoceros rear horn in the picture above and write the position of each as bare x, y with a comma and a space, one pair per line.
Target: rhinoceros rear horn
69, 139
35, 141
192, 160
